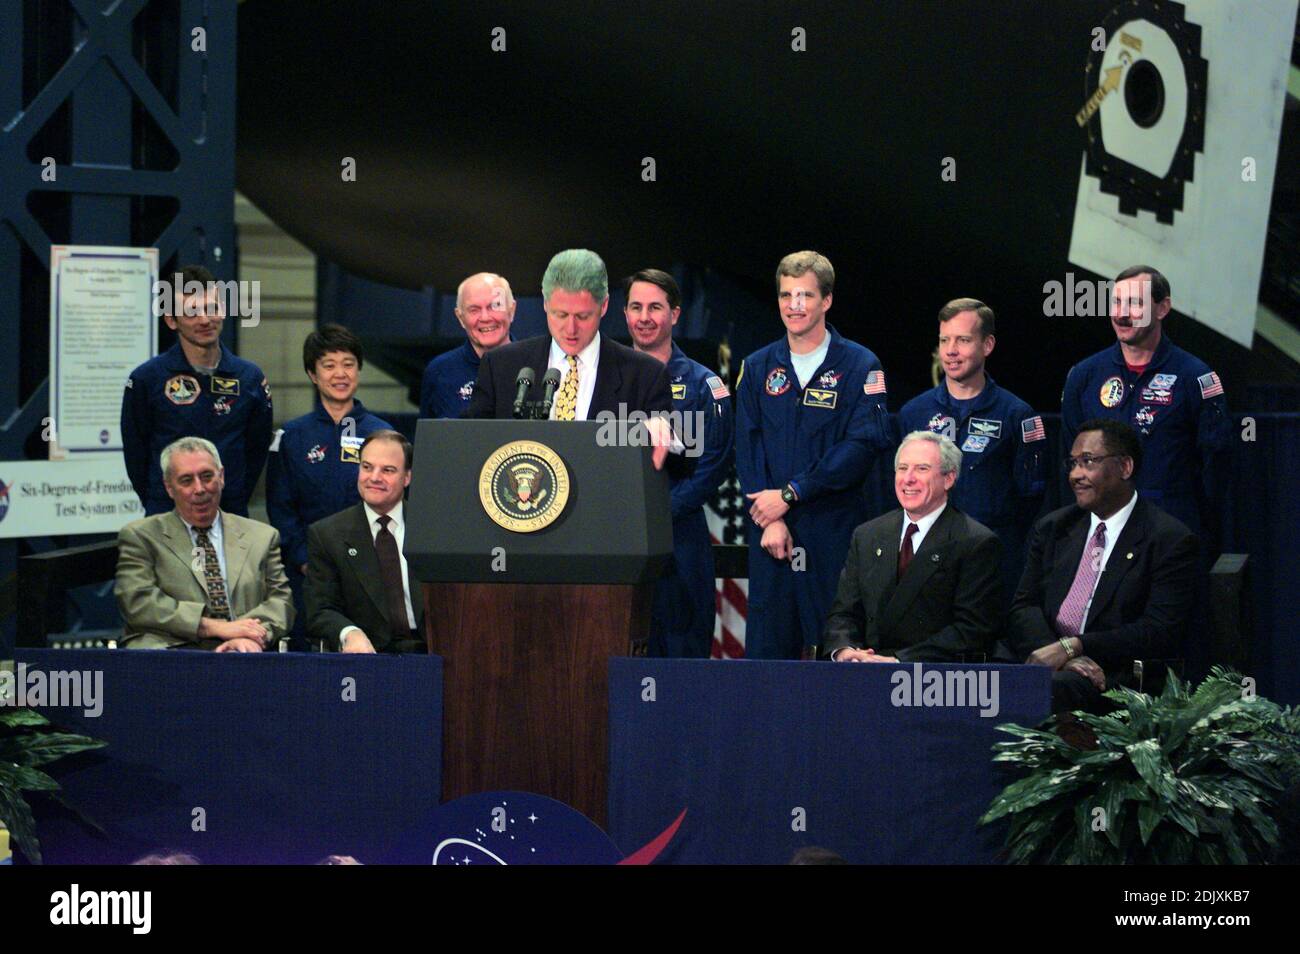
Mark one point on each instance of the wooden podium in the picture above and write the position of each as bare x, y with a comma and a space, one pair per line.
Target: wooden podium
527, 608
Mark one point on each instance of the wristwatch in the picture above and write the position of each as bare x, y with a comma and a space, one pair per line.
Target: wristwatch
788, 495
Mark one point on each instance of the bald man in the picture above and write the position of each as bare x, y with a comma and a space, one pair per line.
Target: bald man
485, 307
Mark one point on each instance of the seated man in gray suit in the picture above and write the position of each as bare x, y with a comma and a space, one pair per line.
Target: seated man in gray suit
195, 577
358, 589
920, 583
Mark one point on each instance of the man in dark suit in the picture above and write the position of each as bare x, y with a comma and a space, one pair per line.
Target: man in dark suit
1107, 580
600, 376
920, 583
358, 589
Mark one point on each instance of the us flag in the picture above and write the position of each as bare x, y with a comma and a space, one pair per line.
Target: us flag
1031, 429
1210, 386
875, 383
726, 518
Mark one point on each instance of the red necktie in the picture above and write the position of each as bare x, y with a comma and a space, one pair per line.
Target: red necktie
905, 552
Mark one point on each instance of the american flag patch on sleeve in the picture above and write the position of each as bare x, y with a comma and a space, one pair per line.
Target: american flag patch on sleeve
1210, 385
717, 387
875, 383
1031, 429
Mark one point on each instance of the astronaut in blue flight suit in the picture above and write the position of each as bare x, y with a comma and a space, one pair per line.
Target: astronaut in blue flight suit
196, 388
810, 417
685, 603
1171, 398
1003, 444
314, 459
485, 307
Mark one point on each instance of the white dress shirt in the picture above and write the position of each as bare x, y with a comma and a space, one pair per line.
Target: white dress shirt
922, 527
1114, 527
218, 544
588, 365
397, 527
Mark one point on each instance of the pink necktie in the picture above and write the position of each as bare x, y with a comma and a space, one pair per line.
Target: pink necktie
1070, 617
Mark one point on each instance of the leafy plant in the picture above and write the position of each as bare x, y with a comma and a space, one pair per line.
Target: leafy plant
1188, 777
28, 741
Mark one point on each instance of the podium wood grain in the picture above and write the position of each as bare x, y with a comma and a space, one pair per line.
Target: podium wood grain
525, 684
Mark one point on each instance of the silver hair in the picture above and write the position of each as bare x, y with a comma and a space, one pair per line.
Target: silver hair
187, 445
576, 270
949, 453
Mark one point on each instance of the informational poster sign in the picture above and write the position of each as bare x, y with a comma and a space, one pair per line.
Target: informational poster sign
102, 326
85, 495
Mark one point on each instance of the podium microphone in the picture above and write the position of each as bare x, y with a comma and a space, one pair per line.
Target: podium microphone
550, 381
522, 383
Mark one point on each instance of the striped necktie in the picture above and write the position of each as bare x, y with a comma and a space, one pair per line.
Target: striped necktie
1071, 615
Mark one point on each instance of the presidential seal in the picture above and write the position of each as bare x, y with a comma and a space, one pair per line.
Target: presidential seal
524, 486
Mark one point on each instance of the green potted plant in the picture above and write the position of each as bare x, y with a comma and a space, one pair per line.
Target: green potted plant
27, 742
1187, 777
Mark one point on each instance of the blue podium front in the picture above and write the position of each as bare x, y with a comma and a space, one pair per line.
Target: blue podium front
880, 763
256, 758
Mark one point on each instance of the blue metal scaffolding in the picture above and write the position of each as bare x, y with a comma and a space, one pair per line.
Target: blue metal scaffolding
117, 127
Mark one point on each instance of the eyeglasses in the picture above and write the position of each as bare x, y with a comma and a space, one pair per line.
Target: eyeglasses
1087, 461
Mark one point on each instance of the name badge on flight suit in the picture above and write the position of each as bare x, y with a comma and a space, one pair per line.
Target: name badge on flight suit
819, 397
350, 449
228, 386
679, 392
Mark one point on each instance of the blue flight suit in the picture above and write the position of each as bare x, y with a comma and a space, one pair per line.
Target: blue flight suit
311, 475
822, 439
1003, 462
1178, 408
448, 382
166, 399
685, 601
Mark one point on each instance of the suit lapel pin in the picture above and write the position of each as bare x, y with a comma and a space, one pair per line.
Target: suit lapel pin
352, 551
1129, 557
934, 558
877, 551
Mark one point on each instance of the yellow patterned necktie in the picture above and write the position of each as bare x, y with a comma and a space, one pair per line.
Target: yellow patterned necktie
566, 404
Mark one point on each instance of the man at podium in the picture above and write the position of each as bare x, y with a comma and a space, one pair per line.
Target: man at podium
597, 375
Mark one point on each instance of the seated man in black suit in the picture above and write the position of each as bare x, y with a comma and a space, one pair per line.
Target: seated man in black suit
358, 588
1108, 579
599, 374
920, 583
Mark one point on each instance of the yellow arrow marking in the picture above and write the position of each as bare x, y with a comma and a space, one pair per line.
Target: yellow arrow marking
1108, 85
